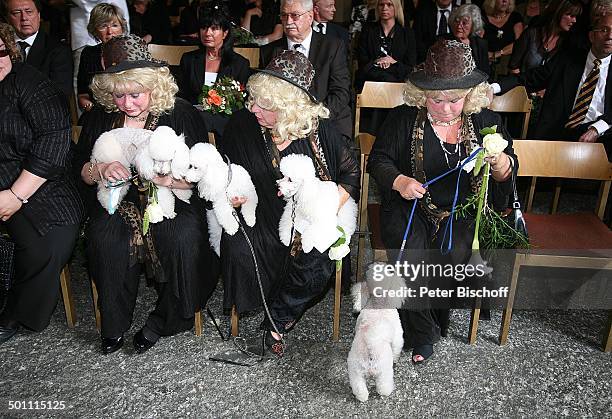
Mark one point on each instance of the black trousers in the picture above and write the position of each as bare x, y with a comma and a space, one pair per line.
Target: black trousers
38, 263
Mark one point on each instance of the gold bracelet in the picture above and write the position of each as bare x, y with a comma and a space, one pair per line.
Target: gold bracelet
90, 172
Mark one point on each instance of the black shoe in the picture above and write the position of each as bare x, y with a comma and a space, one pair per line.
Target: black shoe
265, 346
141, 343
6, 333
424, 351
485, 315
110, 345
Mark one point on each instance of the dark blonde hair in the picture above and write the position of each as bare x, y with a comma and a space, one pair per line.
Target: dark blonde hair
103, 13
7, 34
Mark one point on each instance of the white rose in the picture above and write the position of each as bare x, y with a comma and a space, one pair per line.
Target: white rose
155, 213
494, 144
339, 252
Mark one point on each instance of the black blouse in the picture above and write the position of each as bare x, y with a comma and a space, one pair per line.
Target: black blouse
498, 38
89, 64
35, 135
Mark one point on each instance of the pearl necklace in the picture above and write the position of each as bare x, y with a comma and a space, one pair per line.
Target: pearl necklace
445, 150
443, 123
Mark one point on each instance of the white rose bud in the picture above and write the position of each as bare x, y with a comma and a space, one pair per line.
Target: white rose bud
339, 252
155, 212
494, 144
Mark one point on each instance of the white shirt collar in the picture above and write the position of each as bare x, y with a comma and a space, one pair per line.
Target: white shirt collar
315, 26
449, 9
305, 49
30, 39
591, 58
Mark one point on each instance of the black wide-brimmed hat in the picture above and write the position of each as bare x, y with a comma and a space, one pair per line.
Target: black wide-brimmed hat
295, 68
449, 65
126, 53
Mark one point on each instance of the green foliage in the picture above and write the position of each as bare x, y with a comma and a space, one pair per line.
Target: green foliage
225, 96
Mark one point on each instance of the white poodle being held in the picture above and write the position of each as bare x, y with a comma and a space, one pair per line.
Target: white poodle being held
315, 203
378, 340
218, 185
120, 144
165, 154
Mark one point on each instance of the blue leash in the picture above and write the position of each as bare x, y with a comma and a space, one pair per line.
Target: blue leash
450, 222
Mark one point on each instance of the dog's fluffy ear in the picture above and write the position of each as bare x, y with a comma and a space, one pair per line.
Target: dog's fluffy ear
391, 286
180, 162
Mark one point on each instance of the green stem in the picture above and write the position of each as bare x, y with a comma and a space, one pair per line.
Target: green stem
481, 198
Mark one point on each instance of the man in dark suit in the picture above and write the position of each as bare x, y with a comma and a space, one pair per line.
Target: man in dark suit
431, 21
327, 54
324, 11
49, 56
577, 105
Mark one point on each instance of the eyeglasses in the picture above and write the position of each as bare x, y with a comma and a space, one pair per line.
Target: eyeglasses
4, 53
107, 26
465, 21
294, 16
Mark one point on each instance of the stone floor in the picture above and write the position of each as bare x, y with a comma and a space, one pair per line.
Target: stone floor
552, 366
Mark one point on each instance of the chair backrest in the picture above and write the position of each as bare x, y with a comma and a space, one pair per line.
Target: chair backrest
377, 94
251, 54
170, 53
514, 101
562, 159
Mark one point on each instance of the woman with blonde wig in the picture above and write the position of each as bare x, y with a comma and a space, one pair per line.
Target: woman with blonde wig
437, 128
138, 92
282, 118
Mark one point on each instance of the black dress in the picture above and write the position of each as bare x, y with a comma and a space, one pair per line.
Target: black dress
307, 274
391, 156
498, 38
188, 263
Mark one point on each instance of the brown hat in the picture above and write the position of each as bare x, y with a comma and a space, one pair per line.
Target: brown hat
293, 67
127, 52
449, 65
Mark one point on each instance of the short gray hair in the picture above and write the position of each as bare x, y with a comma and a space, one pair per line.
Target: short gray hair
468, 10
306, 4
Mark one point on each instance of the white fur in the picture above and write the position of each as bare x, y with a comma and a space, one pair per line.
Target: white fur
120, 144
165, 154
378, 337
316, 206
211, 174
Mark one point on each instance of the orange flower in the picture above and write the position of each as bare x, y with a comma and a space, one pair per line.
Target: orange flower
214, 97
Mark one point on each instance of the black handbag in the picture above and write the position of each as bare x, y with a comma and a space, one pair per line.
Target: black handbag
519, 221
7, 266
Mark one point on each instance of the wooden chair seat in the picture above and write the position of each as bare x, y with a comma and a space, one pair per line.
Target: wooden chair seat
568, 231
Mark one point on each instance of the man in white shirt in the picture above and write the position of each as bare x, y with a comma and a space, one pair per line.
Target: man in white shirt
577, 105
38, 49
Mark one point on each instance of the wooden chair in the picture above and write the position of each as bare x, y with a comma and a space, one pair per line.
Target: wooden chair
377, 94
552, 235
170, 53
514, 101
251, 54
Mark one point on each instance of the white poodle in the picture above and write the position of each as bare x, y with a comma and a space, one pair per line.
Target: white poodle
165, 154
378, 338
316, 206
120, 144
218, 182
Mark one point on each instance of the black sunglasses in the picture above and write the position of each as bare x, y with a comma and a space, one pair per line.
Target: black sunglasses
4, 53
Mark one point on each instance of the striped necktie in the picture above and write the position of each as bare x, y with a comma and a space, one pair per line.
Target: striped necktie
583, 101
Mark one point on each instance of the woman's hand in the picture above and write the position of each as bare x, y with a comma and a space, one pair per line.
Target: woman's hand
113, 171
237, 201
344, 196
501, 169
172, 183
9, 204
385, 62
408, 187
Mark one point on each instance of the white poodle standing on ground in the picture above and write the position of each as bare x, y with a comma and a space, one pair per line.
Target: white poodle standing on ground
165, 154
218, 182
379, 337
316, 205
120, 144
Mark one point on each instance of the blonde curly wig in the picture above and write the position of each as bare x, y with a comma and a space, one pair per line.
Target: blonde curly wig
296, 115
156, 80
476, 98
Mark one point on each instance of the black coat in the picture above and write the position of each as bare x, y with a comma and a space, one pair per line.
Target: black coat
560, 76
35, 136
403, 50
192, 70
89, 64
53, 59
332, 78
425, 26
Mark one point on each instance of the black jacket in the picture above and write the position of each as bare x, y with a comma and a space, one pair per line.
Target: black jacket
425, 26
53, 59
35, 136
192, 71
332, 79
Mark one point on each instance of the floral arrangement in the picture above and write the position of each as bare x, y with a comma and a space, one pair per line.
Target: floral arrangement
491, 227
153, 212
339, 249
225, 96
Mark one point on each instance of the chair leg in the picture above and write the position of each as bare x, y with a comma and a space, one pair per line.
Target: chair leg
67, 296
473, 332
94, 295
507, 314
337, 295
607, 343
234, 321
198, 323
